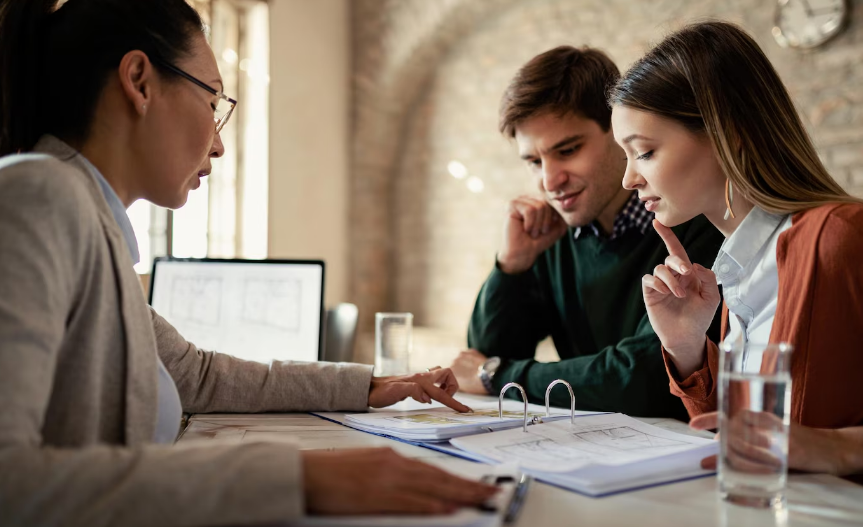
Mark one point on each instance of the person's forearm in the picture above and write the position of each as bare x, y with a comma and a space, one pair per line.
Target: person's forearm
507, 321
850, 450
688, 359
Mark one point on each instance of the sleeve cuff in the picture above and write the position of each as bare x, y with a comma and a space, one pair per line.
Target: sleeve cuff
355, 381
700, 385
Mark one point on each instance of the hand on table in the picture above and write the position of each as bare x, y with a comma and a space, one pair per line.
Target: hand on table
466, 370
809, 449
531, 227
438, 384
681, 299
379, 481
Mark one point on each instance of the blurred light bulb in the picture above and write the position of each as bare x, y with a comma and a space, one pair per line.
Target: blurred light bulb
457, 170
475, 184
230, 56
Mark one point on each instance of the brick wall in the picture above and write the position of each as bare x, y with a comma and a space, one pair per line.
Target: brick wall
428, 75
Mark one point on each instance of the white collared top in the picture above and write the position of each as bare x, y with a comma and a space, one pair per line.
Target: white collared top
746, 269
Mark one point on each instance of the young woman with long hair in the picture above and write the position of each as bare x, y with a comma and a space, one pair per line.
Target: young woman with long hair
709, 128
110, 101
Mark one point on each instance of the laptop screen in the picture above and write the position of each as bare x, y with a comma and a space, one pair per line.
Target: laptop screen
257, 310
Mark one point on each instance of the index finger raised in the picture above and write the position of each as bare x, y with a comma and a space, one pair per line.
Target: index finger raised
675, 248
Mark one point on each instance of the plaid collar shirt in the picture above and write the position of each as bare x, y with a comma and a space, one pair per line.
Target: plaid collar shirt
633, 216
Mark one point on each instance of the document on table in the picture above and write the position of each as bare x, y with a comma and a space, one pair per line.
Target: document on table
441, 424
597, 455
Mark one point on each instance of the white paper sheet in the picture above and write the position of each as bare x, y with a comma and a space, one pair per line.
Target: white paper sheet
609, 439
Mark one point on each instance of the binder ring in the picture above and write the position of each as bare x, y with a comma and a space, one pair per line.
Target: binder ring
523, 398
571, 399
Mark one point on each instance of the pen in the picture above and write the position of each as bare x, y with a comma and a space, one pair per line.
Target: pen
517, 499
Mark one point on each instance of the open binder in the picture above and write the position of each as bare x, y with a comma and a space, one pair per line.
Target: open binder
595, 455
442, 424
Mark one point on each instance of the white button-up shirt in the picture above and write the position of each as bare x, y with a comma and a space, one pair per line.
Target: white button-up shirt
746, 269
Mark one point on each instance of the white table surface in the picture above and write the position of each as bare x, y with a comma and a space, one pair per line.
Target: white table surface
813, 499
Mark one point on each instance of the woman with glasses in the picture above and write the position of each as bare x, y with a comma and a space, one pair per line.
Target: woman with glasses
102, 103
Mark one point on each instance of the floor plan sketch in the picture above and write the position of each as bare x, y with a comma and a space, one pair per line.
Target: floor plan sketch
196, 299
507, 414
276, 304
543, 451
626, 438
589, 444
428, 419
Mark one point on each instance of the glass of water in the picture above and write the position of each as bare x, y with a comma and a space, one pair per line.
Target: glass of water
754, 418
393, 342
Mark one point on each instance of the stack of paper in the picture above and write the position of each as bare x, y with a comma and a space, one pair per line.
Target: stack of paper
442, 424
598, 455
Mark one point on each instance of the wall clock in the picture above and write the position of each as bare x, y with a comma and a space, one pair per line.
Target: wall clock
805, 24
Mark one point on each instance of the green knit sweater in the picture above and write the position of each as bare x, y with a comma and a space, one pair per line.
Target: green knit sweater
586, 294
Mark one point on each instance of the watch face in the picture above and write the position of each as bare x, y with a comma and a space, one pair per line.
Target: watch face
491, 365
808, 23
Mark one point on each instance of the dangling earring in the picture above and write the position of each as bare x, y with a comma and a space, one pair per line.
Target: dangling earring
729, 199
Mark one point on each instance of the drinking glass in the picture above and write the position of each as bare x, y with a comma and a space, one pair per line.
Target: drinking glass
754, 418
393, 343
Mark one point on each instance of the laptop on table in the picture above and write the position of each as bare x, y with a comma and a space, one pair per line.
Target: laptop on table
257, 310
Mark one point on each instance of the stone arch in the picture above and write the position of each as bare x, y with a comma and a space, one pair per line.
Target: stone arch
398, 44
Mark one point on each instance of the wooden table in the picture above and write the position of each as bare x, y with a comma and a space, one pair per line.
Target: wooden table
813, 499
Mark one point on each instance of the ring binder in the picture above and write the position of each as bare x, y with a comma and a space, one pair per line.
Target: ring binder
537, 420
571, 399
523, 398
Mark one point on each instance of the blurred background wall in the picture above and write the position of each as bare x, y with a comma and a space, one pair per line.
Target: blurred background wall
427, 76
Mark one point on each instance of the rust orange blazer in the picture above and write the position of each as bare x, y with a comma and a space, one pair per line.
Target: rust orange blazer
819, 311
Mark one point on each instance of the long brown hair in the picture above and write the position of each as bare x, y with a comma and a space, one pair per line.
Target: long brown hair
713, 78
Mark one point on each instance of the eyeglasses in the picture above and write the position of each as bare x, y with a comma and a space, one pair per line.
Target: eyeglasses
224, 106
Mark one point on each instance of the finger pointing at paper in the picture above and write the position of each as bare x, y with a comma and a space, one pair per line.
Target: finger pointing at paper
681, 299
435, 385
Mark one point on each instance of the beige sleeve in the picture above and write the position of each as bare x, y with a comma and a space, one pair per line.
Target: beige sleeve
44, 236
215, 382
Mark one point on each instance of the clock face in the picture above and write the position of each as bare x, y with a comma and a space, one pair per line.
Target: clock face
808, 23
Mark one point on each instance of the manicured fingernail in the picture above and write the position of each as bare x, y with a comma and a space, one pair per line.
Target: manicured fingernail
684, 269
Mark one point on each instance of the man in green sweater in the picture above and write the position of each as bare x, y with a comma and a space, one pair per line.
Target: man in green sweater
571, 261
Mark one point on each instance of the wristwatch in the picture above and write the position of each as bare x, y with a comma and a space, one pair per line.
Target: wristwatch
486, 373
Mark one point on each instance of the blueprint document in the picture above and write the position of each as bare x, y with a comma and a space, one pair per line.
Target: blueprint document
441, 424
598, 455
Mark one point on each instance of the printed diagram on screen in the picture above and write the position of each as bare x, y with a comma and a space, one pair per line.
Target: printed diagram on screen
196, 299
589, 444
276, 304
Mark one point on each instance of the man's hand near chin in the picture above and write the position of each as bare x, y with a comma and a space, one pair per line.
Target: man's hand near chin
466, 369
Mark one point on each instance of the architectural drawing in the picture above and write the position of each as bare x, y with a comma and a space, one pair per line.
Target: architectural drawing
543, 451
272, 303
626, 438
196, 299
448, 418
587, 445
507, 414
427, 419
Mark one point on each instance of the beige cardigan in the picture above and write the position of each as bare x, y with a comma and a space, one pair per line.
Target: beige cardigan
78, 377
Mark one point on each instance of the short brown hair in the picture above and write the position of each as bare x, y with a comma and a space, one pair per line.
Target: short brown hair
564, 80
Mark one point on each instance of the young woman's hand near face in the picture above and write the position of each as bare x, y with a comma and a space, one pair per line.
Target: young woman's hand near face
681, 299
